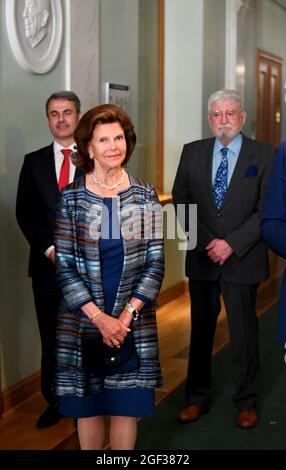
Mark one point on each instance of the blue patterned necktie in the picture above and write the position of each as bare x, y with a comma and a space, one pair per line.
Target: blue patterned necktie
220, 182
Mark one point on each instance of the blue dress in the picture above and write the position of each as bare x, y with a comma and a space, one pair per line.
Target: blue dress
107, 402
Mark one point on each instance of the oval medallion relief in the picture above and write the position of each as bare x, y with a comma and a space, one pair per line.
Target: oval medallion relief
35, 30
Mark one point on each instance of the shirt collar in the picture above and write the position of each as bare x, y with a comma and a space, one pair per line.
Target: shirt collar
234, 146
58, 147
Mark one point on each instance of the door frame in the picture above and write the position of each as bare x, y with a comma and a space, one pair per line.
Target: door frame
261, 54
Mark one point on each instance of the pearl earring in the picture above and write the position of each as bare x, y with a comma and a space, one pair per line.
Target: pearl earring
91, 156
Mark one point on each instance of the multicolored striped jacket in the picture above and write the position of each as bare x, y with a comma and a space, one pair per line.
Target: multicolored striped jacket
78, 266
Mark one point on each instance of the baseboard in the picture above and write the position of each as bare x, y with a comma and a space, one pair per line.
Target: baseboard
172, 292
19, 392
1, 404
268, 293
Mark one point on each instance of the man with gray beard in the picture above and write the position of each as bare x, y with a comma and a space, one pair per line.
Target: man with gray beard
226, 176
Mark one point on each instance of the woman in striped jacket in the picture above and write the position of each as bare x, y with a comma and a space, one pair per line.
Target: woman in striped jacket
110, 266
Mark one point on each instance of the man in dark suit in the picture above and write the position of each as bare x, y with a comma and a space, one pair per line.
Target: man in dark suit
43, 174
226, 177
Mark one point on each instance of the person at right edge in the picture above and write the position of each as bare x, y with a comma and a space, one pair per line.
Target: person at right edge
273, 228
226, 177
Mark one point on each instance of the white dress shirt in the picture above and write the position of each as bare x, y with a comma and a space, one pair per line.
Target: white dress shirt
59, 158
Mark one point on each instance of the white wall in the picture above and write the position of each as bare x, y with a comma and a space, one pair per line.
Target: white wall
182, 101
119, 48
82, 50
183, 80
23, 129
213, 55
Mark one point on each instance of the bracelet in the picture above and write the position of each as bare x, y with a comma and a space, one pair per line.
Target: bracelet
94, 315
133, 310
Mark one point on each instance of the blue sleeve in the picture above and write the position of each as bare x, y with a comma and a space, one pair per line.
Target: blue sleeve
273, 224
152, 275
148, 302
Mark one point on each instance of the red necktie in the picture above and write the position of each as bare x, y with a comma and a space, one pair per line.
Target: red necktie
65, 169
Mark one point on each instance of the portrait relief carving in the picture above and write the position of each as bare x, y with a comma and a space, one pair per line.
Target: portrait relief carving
36, 16
34, 30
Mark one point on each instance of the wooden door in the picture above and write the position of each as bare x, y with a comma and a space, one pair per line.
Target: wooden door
149, 131
268, 98
268, 117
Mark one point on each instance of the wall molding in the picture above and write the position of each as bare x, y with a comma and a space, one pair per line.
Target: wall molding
82, 34
172, 293
19, 392
231, 44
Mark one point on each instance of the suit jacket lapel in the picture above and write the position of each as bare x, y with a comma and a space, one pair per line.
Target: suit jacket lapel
208, 165
50, 170
49, 174
244, 158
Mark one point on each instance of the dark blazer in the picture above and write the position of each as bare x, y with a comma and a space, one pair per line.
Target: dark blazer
36, 207
238, 219
273, 225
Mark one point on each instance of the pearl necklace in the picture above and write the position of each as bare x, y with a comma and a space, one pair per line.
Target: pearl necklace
106, 186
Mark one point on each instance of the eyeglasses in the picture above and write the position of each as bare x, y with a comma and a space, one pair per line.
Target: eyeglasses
229, 114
